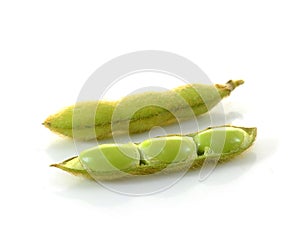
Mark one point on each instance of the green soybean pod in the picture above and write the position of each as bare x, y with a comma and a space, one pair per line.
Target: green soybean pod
189, 152
95, 119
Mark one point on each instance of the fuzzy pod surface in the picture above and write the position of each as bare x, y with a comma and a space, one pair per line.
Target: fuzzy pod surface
137, 113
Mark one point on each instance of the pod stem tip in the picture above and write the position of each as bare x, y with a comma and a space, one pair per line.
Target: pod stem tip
54, 165
234, 83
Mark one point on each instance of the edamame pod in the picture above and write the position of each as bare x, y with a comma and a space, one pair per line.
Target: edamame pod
170, 153
141, 112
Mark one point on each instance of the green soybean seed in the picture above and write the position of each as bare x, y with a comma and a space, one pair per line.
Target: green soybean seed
95, 119
112, 157
170, 153
221, 140
168, 149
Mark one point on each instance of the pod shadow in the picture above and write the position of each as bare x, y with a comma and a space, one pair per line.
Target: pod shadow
87, 191
266, 147
60, 149
230, 171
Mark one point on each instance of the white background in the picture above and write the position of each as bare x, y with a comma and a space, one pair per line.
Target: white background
49, 49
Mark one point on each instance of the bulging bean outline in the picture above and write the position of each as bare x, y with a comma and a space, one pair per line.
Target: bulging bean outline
239, 139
